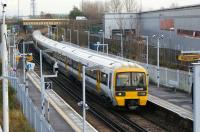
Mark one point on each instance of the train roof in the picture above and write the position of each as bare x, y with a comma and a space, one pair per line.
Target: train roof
83, 55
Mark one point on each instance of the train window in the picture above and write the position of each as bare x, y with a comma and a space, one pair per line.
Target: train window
94, 74
124, 79
91, 73
104, 78
138, 79
74, 64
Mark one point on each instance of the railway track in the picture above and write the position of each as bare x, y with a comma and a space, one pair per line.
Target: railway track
112, 119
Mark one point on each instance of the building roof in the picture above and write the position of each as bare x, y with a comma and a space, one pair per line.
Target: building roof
157, 10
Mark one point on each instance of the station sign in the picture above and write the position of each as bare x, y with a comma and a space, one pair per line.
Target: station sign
30, 66
48, 85
29, 57
189, 57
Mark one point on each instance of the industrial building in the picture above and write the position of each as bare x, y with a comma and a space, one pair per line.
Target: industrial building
180, 26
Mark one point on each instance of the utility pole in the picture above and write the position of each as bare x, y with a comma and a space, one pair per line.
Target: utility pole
33, 7
4, 57
18, 10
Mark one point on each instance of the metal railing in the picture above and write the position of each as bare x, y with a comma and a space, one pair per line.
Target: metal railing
31, 112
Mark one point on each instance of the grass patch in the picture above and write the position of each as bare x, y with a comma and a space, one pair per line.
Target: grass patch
17, 121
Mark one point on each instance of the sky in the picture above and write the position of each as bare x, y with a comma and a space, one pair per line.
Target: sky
64, 6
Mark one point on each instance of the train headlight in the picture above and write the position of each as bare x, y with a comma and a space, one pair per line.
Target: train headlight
142, 93
120, 94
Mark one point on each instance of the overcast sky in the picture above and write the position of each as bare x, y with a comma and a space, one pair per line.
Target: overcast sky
64, 6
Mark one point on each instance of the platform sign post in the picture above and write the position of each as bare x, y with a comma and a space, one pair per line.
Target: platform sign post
196, 105
46, 85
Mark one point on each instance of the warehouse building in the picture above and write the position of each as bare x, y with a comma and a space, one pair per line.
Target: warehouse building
180, 26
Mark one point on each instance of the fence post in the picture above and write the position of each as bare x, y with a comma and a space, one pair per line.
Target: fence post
166, 77
178, 78
41, 125
30, 107
35, 119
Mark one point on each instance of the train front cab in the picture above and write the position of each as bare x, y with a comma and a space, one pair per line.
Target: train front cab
131, 87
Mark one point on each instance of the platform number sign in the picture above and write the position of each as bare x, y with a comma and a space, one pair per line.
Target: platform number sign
48, 85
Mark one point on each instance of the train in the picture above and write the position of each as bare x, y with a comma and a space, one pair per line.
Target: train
116, 81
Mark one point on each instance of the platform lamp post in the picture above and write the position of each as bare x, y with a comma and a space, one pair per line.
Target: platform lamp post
88, 38
70, 35
122, 46
103, 38
83, 103
42, 77
158, 37
77, 37
147, 54
196, 92
170, 35
4, 58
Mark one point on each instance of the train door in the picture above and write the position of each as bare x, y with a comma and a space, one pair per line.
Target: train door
98, 80
79, 71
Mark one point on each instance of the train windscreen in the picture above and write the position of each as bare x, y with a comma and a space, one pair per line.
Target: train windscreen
129, 81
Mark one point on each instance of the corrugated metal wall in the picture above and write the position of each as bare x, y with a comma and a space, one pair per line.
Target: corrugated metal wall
186, 18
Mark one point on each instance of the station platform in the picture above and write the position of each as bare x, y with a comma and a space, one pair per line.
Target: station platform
66, 118
177, 102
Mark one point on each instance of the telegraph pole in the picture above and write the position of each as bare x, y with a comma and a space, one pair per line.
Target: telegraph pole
4, 57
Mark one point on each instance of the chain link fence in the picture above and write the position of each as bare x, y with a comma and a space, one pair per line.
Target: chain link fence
33, 115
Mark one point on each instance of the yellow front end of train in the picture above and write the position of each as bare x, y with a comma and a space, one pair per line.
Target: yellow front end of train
131, 86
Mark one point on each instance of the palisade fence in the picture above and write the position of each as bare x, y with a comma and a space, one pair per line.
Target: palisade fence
31, 112
178, 79
171, 78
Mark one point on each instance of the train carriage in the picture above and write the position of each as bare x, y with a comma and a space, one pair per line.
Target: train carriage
118, 81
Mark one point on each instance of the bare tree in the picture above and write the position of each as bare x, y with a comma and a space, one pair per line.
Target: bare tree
115, 6
173, 5
130, 5
93, 9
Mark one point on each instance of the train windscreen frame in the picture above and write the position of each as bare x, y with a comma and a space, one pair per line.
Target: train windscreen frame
130, 81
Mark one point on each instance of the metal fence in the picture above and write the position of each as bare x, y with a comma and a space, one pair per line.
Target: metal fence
172, 78
177, 79
33, 115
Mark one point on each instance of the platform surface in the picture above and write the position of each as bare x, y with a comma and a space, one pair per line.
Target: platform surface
178, 102
70, 116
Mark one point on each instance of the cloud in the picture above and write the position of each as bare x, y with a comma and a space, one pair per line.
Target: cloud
64, 6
